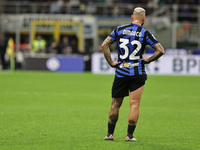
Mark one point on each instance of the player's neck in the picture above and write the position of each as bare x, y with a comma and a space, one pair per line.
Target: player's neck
138, 22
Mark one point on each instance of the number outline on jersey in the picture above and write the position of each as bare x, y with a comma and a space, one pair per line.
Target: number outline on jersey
132, 56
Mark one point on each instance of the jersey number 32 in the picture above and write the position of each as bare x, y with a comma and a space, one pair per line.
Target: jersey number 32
132, 56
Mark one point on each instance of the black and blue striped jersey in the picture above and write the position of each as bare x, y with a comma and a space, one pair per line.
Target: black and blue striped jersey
131, 41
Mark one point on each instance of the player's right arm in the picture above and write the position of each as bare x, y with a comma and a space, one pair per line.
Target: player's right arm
106, 51
159, 52
153, 42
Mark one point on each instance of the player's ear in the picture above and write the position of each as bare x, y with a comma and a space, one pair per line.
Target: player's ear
143, 18
132, 17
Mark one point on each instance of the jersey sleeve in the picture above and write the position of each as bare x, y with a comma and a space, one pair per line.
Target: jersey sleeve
151, 40
113, 35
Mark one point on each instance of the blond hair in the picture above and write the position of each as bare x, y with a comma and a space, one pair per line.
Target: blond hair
139, 12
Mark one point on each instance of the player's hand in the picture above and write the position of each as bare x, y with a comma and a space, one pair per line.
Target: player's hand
145, 60
114, 64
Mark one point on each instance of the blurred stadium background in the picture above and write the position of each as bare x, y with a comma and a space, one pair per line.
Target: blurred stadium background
73, 30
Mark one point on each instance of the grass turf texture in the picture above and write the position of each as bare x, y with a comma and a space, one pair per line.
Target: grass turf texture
45, 110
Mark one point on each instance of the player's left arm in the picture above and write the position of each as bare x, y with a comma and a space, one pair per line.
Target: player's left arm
106, 51
159, 52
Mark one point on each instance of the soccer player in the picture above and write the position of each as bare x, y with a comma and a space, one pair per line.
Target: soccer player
130, 75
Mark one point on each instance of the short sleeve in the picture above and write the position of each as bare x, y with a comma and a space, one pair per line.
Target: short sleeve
150, 39
113, 35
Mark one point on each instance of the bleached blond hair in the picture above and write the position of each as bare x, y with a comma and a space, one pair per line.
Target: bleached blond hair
139, 12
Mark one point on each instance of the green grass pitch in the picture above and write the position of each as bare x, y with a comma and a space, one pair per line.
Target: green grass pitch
69, 111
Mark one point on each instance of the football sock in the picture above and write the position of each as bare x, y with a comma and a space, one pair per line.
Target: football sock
111, 128
131, 129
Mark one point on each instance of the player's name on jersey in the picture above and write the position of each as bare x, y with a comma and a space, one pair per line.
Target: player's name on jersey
133, 33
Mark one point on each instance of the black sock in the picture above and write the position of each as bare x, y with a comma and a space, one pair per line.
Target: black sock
111, 128
131, 129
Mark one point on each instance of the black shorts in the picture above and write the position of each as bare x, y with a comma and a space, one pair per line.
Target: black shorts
122, 86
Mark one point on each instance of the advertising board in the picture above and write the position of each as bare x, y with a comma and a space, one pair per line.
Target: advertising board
59, 63
166, 65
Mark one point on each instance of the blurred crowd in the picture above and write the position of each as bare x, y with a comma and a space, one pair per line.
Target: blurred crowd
115, 1
40, 46
66, 46
97, 7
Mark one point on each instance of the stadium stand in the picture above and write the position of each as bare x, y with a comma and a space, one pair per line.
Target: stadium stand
99, 7
177, 19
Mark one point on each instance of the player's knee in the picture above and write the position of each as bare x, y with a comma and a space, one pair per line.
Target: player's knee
117, 102
134, 104
116, 105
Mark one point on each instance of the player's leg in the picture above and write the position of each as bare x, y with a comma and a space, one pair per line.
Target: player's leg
135, 97
114, 110
120, 89
113, 117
